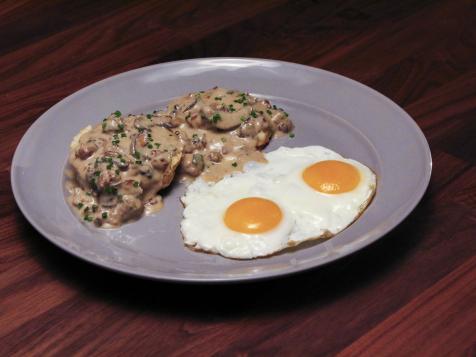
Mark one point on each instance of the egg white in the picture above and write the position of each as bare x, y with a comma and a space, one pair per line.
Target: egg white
204, 229
307, 213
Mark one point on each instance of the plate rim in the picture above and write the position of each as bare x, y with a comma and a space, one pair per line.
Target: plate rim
395, 219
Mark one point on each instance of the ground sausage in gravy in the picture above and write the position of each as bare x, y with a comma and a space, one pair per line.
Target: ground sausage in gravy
117, 168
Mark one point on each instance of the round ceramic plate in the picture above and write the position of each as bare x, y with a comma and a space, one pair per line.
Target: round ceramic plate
327, 109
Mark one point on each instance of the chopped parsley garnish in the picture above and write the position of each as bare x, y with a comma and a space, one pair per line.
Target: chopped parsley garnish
86, 209
115, 136
109, 166
234, 164
217, 98
150, 146
88, 218
94, 208
104, 126
253, 114
231, 108
118, 172
104, 215
275, 107
292, 135
242, 118
80, 205
223, 140
115, 142
286, 114
157, 145
269, 111
136, 183
137, 155
138, 162
97, 173
149, 116
121, 127
117, 113
123, 135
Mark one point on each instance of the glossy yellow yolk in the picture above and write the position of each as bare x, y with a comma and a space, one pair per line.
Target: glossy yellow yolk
331, 176
253, 215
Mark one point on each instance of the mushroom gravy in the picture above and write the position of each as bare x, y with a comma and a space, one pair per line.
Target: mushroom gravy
117, 168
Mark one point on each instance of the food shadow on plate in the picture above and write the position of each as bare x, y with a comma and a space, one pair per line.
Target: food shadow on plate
317, 287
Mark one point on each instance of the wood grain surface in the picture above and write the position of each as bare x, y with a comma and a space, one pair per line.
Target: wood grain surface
413, 293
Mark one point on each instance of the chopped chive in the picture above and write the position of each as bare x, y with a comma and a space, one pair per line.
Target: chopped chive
117, 113
110, 190
253, 114
215, 118
80, 205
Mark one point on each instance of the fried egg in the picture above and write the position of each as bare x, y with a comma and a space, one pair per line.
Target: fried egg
300, 194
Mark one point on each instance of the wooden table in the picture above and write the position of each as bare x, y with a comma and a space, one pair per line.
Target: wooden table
412, 293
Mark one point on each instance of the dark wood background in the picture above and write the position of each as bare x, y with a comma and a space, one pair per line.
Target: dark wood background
412, 293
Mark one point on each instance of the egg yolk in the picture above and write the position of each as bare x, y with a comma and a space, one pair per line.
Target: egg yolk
253, 215
331, 176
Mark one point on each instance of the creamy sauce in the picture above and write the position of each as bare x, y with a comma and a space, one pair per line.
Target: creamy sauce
117, 168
